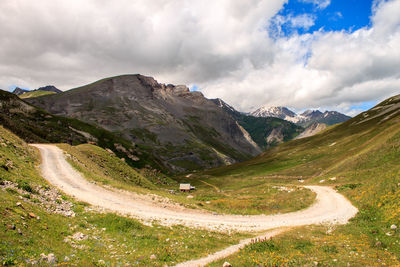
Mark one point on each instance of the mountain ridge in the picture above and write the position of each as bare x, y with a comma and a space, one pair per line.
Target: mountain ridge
185, 129
304, 119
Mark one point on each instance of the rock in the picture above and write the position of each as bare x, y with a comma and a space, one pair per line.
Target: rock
79, 236
189, 196
19, 231
19, 204
110, 151
393, 227
153, 257
301, 181
51, 259
226, 264
332, 179
32, 215
321, 181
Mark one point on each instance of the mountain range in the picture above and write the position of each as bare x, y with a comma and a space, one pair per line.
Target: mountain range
304, 119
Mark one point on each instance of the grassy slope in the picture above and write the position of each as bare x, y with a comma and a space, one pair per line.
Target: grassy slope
364, 158
122, 240
104, 167
35, 94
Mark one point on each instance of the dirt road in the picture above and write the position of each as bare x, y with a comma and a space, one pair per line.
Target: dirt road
329, 207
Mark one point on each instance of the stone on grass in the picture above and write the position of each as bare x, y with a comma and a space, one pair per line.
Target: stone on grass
51, 258
153, 257
226, 264
393, 227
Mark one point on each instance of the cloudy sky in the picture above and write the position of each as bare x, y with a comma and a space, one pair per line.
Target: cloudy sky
328, 54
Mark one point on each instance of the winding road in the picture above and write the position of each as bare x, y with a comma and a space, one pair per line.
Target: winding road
330, 207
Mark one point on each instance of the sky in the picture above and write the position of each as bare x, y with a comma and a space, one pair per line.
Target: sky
323, 54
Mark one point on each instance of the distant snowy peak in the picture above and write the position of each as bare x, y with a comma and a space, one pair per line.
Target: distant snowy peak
304, 119
277, 112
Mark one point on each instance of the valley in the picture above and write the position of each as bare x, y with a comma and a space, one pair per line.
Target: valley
333, 194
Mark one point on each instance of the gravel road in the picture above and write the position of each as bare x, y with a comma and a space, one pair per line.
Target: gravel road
330, 207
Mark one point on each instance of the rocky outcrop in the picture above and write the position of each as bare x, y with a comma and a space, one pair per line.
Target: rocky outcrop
19, 91
311, 130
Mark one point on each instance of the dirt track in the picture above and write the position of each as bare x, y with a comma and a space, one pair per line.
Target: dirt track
330, 207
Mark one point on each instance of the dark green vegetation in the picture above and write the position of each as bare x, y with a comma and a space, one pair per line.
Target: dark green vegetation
35, 125
361, 158
265, 131
29, 229
268, 132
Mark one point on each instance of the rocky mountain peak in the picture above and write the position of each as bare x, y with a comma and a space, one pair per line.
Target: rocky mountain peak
49, 88
277, 112
310, 113
19, 91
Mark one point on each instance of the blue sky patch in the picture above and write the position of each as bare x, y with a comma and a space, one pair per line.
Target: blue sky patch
307, 16
364, 105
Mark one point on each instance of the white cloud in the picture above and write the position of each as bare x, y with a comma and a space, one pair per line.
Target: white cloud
321, 4
221, 46
289, 24
69, 42
324, 68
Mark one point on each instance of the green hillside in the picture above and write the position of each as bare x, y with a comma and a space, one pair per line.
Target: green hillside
35, 94
361, 159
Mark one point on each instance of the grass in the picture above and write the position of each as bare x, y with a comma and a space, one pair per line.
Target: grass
104, 166
112, 239
247, 196
35, 94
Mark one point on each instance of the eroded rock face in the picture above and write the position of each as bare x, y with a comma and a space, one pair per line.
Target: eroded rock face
182, 128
